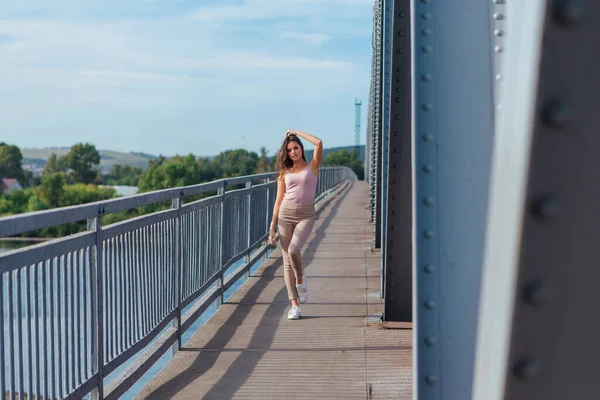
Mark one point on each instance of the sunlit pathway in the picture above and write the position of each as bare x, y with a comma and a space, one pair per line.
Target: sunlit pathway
339, 349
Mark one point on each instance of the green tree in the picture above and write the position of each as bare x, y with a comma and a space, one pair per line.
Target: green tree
11, 163
123, 175
55, 165
83, 160
347, 158
51, 189
237, 162
264, 163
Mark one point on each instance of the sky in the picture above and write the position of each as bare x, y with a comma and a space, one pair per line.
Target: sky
182, 76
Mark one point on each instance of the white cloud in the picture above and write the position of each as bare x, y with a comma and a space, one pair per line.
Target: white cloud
75, 73
315, 38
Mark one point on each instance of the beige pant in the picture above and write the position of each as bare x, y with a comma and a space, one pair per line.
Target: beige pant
295, 223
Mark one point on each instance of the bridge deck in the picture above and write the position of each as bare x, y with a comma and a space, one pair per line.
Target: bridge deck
339, 349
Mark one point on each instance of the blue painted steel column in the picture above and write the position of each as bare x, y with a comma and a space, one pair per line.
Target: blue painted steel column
453, 134
388, 6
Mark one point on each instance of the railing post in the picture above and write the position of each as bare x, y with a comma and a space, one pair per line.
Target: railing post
176, 289
249, 227
95, 225
221, 192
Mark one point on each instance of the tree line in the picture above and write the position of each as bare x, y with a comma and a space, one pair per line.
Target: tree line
75, 179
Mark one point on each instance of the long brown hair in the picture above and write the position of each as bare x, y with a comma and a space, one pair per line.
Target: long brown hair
283, 160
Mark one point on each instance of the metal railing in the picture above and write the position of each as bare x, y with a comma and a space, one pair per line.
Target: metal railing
75, 309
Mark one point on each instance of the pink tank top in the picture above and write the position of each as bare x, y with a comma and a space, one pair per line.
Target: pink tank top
300, 187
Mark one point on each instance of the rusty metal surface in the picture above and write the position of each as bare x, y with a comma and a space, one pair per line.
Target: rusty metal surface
339, 349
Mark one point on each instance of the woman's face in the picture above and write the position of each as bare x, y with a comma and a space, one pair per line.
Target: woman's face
294, 151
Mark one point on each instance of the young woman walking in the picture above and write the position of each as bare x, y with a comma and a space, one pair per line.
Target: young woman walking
294, 211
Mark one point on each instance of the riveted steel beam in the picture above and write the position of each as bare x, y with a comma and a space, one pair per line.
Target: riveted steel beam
398, 199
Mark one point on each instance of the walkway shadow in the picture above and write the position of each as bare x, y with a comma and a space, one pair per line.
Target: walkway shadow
243, 366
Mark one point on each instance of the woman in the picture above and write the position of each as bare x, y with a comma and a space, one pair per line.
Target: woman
294, 211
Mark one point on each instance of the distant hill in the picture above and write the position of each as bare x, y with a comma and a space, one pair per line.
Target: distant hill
34, 159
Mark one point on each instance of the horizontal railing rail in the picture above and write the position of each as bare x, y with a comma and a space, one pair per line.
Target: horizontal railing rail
77, 309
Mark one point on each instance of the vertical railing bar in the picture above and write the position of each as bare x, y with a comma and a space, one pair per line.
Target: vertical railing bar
176, 260
146, 271
122, 302
56, 327
127, 267
134, 283
114, 293
87, 269
11, 340
97, 307
124, 299
133, 296
111, 329
154, 250
184, 254
78, 327
119, 295
45, 320
30, 322
65, 331
107, 295
60, 261
72, 382
2, 339
36, 310
197, 253
20, 330
221, 236
139, 291
161, 266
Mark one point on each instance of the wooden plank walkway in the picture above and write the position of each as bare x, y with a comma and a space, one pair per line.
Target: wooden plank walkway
339, 349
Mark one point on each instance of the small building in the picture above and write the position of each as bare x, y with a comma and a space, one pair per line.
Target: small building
7, 185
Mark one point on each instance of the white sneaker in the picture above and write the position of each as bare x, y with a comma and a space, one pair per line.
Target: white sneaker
294, 312
302, 290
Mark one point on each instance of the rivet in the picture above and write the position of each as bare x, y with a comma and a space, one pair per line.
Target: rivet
401, 15
429, 269
428, 168
397, 134
430, 341
398, 99
535, 292
426, 16
568, 12
393, 227
429, 304
499, 2
426, 32
556, 113
394, 197
498, 16
400, 51
428, 201
428, 137
427, 77
499, 77
400, 33
544, 207
429, 234
427, 107
397, 117
427, 49
525, 368
395, 181
430, 379
498, 32
499, 49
